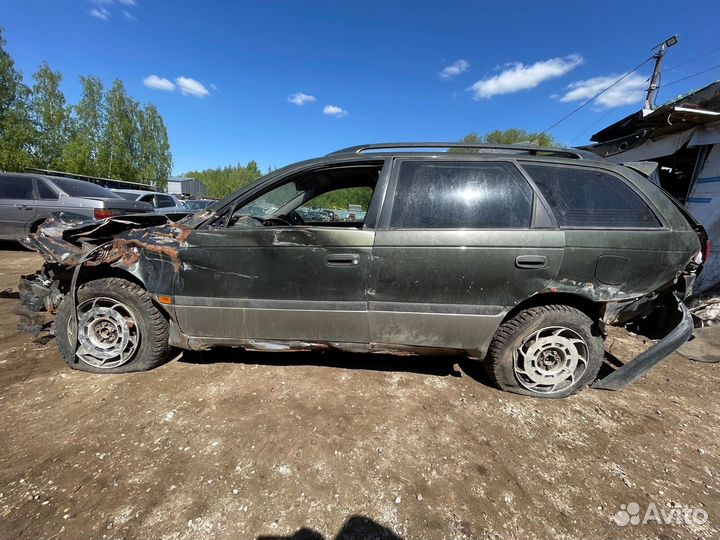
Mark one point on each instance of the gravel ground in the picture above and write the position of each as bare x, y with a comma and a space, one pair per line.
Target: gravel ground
227, 444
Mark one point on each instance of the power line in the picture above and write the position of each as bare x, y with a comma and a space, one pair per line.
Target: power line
643, 84
691, 76
612, 109
693, 59
595, 96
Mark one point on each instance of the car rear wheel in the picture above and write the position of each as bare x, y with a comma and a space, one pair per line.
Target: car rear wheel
550, 351
119, 328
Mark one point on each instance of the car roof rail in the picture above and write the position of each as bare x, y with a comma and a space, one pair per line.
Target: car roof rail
531, 150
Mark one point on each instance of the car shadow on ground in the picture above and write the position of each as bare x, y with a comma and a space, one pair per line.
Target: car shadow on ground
439, 366
355, 528
11, 245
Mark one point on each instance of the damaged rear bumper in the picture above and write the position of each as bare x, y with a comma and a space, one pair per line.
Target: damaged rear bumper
645, 361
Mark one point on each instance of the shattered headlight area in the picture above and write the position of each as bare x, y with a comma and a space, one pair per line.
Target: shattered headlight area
74, 248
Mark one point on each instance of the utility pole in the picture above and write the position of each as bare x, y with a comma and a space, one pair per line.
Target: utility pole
655, 80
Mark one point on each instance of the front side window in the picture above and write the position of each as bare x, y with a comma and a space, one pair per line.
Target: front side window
348, 204
338, 196
587, 198
266, 205
445, 195
16, 187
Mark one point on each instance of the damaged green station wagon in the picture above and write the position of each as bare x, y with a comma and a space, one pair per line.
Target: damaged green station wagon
518, 256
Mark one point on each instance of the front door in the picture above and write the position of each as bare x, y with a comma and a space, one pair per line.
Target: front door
263, 272
276, 283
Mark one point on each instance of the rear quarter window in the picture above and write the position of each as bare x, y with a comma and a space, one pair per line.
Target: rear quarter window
591, 198
447, 195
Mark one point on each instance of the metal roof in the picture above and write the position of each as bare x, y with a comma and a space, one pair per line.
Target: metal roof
696, 108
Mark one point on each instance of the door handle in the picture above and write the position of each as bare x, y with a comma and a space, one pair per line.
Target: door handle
531, 261
23, 207
342, 259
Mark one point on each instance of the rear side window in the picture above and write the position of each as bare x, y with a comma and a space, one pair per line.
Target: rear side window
81, 188
582, 197
163, 201
461, 195
16, 187
45, 192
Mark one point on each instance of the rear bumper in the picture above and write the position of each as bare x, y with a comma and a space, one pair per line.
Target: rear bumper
645, 361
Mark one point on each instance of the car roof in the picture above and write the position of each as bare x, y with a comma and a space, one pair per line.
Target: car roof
474, 150
140, 192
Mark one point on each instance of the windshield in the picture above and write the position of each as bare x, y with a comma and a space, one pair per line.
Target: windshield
80, 188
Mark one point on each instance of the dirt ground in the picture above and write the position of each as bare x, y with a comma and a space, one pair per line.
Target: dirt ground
229, 444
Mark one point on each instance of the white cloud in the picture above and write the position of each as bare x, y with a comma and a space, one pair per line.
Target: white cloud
191, 87
454, 69
517, 76
629, 90
102, 8
212, 85
100, 13
299, 99
334, 110
158, 83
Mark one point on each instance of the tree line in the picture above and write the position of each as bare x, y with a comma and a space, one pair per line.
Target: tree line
106, 133
508, 136
222, 181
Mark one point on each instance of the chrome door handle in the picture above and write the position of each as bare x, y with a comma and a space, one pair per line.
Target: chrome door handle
531, 261
343, 259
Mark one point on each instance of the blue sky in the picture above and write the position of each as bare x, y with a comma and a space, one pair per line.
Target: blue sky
280, 81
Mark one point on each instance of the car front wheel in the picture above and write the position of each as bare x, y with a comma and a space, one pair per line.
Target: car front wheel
119, 328
548, 351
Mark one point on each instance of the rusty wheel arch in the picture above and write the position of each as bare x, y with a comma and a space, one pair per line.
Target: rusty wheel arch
590, 307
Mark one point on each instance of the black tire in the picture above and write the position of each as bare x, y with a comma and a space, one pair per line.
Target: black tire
152, 326
519, 332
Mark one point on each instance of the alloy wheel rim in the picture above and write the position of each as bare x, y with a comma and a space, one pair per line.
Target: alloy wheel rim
108, 334
550, 360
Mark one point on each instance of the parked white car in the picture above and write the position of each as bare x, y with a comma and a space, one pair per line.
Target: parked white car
163, 203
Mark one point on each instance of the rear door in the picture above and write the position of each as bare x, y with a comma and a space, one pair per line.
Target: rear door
18, 206
459, 243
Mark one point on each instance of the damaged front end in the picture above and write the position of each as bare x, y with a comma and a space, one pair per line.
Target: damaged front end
142, 248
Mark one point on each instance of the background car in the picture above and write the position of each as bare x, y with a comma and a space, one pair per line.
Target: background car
163, 203
26, 200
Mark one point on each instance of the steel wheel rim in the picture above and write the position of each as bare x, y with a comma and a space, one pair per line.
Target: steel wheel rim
107, 333
550, 360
